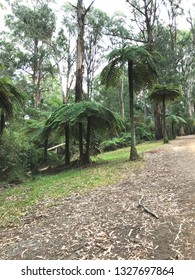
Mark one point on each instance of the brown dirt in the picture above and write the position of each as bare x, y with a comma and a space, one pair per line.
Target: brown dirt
106, 223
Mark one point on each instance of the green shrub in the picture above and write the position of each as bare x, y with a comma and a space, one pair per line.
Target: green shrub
17, 156
116, 143
143, 134
109, 145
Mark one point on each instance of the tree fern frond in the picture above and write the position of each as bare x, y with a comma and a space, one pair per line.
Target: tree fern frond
72, 114
175, 118
9, 95
168, 92
144, 67
111, 74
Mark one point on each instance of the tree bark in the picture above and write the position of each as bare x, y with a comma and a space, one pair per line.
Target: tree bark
36, 76
157, 121
181, 130
80, 51
2, 122
67, 144
45, 150
133, 151
88, 140
79, 67
121, 94
165, 137
173, 130
81, 13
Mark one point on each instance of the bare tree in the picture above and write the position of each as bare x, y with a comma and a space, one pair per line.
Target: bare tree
145, 15
174, 9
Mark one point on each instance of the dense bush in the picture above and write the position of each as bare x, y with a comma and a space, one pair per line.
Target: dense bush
17, 156
144, 132
116, 143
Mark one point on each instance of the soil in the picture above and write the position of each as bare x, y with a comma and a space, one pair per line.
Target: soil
151, 215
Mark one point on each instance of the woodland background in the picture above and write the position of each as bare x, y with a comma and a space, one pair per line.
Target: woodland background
38, 75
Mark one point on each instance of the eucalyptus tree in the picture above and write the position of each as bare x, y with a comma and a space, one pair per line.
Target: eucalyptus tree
94, 45
190, 87
145, 15
64, 50
174, 10
142, 73
119, 30
9, 55
163, 93
81, 13
185, 69
31, 28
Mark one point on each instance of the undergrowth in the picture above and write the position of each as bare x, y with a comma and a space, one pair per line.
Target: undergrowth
108, 169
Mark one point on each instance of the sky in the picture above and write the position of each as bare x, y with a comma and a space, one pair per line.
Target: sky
108, 6
111, 6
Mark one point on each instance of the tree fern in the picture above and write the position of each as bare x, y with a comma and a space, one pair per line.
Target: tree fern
10, 96
142, 72
100, 118
162, 93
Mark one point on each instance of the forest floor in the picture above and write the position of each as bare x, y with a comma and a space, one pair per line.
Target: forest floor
150, 215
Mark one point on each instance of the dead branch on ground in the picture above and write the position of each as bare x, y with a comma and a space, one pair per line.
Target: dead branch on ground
140, 204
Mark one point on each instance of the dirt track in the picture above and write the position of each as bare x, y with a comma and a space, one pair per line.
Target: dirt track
107, 223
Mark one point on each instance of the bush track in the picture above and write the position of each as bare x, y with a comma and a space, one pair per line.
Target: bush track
106, 223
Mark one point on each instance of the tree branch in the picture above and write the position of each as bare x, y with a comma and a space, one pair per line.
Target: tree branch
87, 10
125, 37
135, 7
146, 209
72, 5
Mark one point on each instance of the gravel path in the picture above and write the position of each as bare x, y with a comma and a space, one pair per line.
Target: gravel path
149, 216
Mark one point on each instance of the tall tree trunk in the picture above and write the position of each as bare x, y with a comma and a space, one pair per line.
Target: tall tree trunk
35, 76
81, 13
67, 144
2, 122
63, 89
121, 94
157, 121
79, 66
145, 106
181, 130
190, 81
45, 150
165, 137
133, 151
88, 140
68, 79
80, 127
173, 130
80, 51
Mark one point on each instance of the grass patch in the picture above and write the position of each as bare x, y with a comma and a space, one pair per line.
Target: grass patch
110, 168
